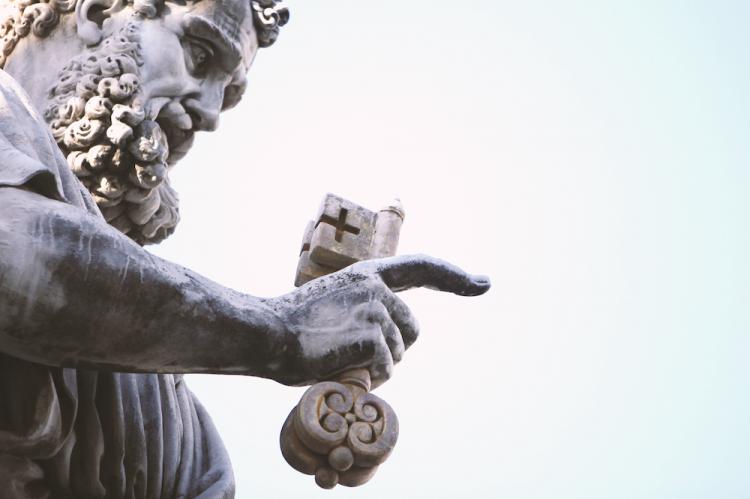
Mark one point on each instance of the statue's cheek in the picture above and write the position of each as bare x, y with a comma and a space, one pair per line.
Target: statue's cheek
164, 72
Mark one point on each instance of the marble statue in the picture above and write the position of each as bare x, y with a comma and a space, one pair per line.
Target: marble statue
99, 99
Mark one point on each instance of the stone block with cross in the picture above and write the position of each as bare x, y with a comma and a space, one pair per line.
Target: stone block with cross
343, 233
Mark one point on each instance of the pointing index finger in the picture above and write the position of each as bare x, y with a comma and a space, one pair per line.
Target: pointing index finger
410, 271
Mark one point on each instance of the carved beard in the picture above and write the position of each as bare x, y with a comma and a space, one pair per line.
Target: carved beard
112, 140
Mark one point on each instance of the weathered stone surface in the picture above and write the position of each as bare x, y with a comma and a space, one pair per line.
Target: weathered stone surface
307, 270
95, 332
387, 230
339, 432
343, 233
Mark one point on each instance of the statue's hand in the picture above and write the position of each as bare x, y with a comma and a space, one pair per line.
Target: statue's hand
353, 318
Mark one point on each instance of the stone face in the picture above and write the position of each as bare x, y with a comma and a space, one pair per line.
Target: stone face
120, 142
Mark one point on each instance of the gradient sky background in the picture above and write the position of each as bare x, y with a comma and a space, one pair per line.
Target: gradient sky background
591, 157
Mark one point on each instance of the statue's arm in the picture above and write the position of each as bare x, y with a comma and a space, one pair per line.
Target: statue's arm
76, 292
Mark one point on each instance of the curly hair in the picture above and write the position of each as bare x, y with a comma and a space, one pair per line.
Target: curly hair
40, 17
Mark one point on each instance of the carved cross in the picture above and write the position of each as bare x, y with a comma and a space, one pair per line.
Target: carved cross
326, 250
339, 223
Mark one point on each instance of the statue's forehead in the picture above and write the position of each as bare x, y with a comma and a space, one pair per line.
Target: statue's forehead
227, 23
233, 17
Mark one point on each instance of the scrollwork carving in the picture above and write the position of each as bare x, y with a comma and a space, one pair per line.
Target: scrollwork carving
339, 432
83, 133
268, 17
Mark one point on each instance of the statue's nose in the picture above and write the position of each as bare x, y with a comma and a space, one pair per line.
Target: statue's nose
204, 109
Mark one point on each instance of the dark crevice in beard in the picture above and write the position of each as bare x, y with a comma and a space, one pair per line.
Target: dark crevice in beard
97, 117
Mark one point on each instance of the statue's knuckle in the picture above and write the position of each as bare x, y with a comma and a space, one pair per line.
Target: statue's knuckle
375, 286
377, 313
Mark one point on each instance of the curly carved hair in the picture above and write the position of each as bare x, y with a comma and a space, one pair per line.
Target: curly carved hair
40, 17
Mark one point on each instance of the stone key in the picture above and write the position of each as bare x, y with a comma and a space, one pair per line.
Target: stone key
340, 432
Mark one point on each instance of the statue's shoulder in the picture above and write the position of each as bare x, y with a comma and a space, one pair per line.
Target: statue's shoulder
28, 151
16, 109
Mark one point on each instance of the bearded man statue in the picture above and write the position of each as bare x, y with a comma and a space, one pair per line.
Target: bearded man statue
99, 99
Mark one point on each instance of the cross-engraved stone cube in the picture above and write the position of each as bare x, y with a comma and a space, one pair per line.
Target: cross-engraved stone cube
344, 233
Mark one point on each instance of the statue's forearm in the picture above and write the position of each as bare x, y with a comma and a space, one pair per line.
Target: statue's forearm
75, 292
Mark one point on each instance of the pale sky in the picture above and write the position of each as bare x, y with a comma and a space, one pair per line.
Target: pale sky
591, 157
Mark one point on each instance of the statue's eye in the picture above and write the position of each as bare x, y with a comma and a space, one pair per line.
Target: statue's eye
198, 55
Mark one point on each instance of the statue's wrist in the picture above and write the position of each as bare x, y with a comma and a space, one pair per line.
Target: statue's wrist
281, 361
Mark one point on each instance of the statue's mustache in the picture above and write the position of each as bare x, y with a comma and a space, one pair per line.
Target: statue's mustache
177, 124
